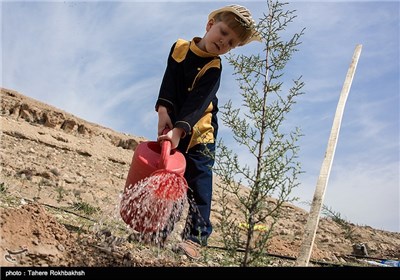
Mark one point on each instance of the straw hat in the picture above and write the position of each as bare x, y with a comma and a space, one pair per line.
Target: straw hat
244, 14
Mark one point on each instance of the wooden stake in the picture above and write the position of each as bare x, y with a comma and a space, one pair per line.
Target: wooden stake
313, 218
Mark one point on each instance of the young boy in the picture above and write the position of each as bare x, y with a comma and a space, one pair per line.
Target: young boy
187, 105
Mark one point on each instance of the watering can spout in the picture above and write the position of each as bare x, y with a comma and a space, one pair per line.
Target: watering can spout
165, 154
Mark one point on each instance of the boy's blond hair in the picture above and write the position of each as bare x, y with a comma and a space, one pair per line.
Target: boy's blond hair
239, 19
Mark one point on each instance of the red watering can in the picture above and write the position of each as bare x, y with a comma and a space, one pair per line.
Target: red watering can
155, 183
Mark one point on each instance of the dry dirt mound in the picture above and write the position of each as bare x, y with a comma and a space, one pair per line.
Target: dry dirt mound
60, 186
32, 237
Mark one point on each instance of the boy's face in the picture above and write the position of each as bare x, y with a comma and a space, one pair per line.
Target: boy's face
219, 38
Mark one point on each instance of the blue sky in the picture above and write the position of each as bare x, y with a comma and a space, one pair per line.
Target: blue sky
104, 61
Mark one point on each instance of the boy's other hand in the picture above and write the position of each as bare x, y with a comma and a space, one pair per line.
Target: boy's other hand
173, 135
164, 121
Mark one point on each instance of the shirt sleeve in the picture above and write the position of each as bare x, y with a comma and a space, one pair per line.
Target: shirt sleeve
166, 96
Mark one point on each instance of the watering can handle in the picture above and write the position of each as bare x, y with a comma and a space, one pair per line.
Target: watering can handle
165, 151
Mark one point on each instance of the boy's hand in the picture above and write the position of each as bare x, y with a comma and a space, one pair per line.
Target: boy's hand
173, 135
163, 120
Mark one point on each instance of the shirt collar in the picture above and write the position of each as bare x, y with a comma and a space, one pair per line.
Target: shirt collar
194, 48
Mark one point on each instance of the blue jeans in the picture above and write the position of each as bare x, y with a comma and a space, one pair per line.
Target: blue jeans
198, 174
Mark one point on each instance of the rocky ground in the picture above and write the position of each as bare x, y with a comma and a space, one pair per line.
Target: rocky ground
60, 188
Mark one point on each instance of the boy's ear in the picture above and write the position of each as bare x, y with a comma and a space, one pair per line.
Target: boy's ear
210, 23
